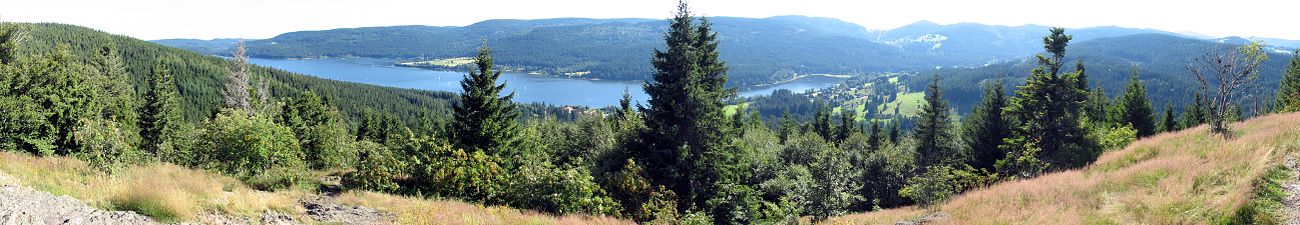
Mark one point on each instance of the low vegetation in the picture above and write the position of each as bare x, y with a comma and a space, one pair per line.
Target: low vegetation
170, 193
1185, 177
166, 192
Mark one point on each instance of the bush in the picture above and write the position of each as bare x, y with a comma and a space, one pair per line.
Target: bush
376, 170
1113, 138
329, 146
559, 190
249, 147
941, 182
441, 171
104, 145
279, 178
640, 200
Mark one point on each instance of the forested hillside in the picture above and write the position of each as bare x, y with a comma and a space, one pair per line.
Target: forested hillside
763, 50
759, 50
1159, 59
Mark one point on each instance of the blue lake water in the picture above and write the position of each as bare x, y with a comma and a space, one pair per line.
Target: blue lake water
527, 88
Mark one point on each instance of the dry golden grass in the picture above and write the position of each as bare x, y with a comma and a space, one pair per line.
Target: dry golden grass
1185, 177
163, 191
411, 210
171, 193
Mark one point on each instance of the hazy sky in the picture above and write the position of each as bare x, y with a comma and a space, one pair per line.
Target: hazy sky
156, 19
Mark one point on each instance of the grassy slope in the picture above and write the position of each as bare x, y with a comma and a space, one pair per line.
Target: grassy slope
171, 193
1185, 177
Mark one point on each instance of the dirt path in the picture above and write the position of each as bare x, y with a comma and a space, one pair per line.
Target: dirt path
1291, 203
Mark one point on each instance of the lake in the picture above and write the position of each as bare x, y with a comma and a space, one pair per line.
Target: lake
527, 88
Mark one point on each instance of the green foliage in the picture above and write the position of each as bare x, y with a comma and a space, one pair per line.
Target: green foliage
1288, 92
939, 183
321, 134
104, 145
821, 124
1134, 108
559, 190
1194, 114
482, 120
1046, 110
832, 190
377, 169
160, 116
934, 131
440, 170
985, 128
686, 139
641, 201
1167, 121
249, 147
1112, 138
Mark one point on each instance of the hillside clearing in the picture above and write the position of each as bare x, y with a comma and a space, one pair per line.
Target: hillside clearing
1184, 177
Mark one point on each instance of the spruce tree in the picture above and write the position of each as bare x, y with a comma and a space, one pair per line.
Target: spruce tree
235, 92
875, 137
895, 129
985, 128
686, 141
115, 87
848, 124
160, 116
1167, 122
1134, 108
1094, 109
1288, 94
1194, 114
1048, 133
787, 126
933, 135
821, 123
484, 120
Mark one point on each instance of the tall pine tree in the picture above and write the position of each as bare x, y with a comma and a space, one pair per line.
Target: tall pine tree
235, 93
985, 128
160, 116
1167, 122
1048, 133
1134, 108
686, 141
933, 135
484, 120
1288, 94
1194, 114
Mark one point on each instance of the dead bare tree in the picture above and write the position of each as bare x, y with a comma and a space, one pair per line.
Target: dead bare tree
235, 92
1231, 67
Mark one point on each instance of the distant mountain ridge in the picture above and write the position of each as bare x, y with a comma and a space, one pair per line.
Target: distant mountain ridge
758, 50
1158, 58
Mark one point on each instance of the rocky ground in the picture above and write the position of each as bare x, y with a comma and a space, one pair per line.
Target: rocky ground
1291, 203
23, 205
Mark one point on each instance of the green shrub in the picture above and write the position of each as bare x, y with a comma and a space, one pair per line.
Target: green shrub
250, 147
559, 190
376, 170
442, 171
939, 183
104, 145
279, 178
